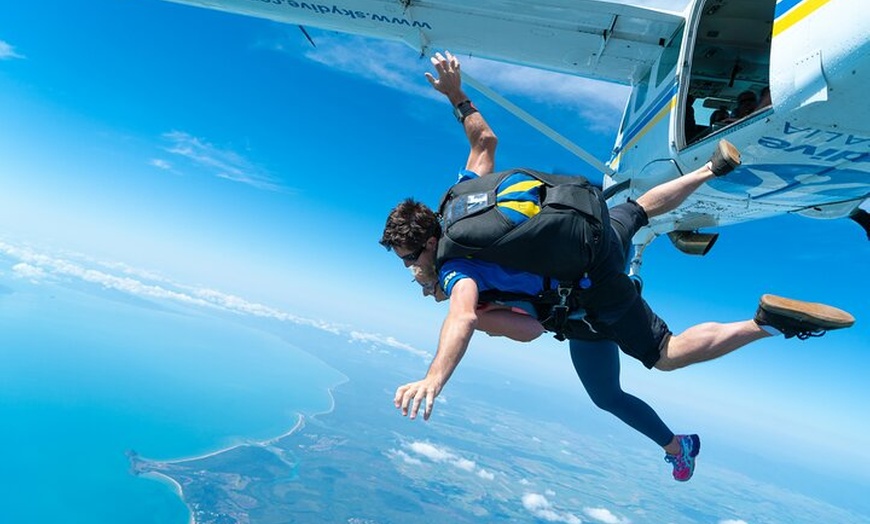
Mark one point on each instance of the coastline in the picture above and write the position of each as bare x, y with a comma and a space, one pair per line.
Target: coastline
297, 426
176, 488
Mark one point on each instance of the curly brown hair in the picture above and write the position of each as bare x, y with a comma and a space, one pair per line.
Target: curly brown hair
409, 225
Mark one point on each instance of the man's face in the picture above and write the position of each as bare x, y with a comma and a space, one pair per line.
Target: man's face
421, 261
417, 255
428, 280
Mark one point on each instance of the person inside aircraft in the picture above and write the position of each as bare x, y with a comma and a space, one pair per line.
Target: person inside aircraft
746, 104
764, 98
612, 309
719, 117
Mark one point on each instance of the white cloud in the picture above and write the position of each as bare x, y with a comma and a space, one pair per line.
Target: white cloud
465, 464
29, 272
160, 164
535, 501
405, 457
484, 474
732, 521
389, 64
33, 265
396, 66
592, 99
131, 271
442, 455
430, 451
377, 338
7, 51
604, 515
222, 163
540, 507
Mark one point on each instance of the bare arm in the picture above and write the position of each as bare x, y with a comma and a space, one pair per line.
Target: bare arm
456, 333
481, 157
481, 138
669, 195
500, 321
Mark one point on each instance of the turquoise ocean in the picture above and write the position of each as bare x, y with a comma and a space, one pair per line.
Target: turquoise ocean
87, 374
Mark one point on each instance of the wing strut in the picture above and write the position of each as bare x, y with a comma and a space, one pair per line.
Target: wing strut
546, 130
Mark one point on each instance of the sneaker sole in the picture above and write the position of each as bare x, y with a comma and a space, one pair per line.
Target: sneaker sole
725, 159
824, 316
729, 153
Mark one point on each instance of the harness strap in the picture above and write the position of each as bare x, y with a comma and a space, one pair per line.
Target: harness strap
554, 307
560, 311
574, 196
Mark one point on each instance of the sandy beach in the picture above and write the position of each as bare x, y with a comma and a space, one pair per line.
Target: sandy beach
176, 488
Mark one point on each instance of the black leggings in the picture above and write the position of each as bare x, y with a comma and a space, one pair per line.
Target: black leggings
597, 365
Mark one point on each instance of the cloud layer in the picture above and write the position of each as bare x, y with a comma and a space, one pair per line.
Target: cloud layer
37, 267
414, 453
539, 506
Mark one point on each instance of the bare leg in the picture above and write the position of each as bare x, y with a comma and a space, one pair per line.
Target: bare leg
706, 342
668, 196
673, 446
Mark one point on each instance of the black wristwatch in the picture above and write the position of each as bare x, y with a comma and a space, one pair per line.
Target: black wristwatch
463, 109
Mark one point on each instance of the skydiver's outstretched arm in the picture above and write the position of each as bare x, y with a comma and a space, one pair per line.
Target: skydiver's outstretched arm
456, 333
481, 158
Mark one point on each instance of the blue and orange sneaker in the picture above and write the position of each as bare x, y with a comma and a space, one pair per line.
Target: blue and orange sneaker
684, 463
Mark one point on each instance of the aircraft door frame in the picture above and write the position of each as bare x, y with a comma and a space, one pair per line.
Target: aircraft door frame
723, 95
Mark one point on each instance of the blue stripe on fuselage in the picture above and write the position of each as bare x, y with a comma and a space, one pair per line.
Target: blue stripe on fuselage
784, 6
648, 115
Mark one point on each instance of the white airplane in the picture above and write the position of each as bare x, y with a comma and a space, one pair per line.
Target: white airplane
783, 80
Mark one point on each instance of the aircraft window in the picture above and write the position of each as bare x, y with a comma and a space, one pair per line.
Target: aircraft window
670, 55
641, 90
730, 68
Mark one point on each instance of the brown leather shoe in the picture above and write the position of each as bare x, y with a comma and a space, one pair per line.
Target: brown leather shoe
799, 318
725, 158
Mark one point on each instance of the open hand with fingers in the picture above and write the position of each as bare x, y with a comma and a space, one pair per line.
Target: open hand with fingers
411, 396
449, 81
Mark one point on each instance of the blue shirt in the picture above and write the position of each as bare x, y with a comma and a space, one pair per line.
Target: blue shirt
488, 276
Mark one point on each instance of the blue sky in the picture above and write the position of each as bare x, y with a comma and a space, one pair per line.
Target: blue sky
229, 155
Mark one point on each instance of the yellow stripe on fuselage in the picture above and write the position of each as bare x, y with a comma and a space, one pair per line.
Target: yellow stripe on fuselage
796, 14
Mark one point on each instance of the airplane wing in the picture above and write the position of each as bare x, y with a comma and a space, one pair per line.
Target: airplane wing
589, 38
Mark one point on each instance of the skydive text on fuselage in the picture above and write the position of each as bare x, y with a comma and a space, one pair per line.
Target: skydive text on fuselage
336, 10
807, 143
